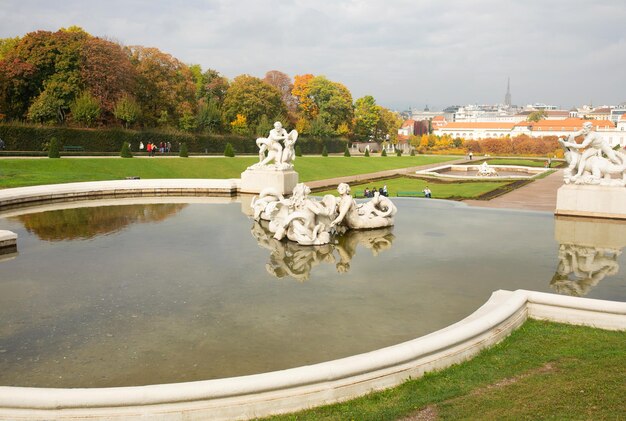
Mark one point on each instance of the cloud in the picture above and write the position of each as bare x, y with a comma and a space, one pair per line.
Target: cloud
402, 52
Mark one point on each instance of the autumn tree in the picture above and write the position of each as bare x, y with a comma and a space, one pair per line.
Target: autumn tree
127, 110
537, 116
86, 109
388, 124
332, 100
283, 83
251, 97
306, 108
366, 117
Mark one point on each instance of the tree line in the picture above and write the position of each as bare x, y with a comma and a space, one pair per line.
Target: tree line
71, 78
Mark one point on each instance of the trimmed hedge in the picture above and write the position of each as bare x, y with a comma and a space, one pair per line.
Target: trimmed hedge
25, 137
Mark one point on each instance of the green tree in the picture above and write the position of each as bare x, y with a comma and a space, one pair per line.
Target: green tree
537, 116
383, 153
85, 109
346, 152
127, 110
367, 152
251, 97
183, 153
209, 118
324, 151
399, 152
366, 117
298, 150
264, 126
46, 109
333, 102
53, 149
125, 151
229, 151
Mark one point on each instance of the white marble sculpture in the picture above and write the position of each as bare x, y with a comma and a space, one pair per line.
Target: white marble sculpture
312, 222
281, 155
598, 164
376, 213
299, 218
484, 170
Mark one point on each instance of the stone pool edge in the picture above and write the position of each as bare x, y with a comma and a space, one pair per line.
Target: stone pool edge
304, 387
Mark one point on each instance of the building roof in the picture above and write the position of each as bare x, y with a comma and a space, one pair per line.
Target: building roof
568, 124
604, 110
439, 118
408, 122
479, 125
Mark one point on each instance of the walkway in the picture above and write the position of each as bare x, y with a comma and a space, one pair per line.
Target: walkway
540, 195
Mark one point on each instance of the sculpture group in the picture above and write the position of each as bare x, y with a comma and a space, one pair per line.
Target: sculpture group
282, 154
484, 170
309, 221
597, 164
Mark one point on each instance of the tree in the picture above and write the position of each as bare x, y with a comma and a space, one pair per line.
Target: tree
367, 152
333, 102
366, 117
240, 125
229, 151
46, 109
127, 110
324, 151
53, 149
298, 150
388, 124
283, 83
251, 97
383, 153
6, 45
187, 121
125, 151
306, 108
346, 152
264, 126
85, 109
209, 117
537, 116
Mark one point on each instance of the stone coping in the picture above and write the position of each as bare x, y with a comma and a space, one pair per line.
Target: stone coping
118, 188
298, 388
529, 171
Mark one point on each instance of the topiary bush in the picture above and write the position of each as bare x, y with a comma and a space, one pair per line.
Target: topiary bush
298, 150
229, 151
183, 153
383, 153
324, 151
412, 152
125, 152
346, 153
53, 150
367, 152
399, 152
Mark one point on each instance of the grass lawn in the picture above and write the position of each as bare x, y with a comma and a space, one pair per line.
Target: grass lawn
29, 172
524, 162
439, 190
542, 371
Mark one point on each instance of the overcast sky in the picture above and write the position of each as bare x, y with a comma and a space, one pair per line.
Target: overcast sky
404, 53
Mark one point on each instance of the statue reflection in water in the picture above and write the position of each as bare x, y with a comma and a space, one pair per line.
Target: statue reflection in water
581, 267
290, 259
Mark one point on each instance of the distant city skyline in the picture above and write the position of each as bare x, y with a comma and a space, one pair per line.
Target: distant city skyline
440, 53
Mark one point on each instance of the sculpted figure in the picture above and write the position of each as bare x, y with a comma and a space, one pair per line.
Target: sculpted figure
486, 171
376, 213
596, 169
282, 157
594, 145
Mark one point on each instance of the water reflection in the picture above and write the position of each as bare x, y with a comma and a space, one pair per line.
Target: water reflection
290, 259
588, 252
89, 222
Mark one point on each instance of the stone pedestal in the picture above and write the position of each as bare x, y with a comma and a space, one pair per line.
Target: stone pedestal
591, 201
602, 233
256, 180
8, 242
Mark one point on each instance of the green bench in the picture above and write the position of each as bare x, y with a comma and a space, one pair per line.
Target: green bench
410, 194
73, 148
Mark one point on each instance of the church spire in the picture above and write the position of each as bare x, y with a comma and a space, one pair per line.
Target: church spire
507, 97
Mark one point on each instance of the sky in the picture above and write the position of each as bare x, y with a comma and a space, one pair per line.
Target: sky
405, 53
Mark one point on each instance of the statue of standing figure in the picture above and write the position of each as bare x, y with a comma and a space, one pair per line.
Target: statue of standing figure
281, 155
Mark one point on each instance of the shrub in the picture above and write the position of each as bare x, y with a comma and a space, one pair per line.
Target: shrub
125, 152
383, 153
412, 152
85, 109
399, 152
298, 150
346, 153
53, 151
229, 151
367, 152
324, 151
183, 151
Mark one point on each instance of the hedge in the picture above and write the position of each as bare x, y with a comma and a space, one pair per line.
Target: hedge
34, 138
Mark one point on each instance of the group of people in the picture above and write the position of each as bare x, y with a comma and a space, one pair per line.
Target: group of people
370, 193
152, 148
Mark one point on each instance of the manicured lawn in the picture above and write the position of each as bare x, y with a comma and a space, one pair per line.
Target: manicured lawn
524, 162
439, 190
542, 371
28, 172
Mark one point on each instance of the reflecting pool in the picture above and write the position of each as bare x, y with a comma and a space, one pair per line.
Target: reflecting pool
157, 293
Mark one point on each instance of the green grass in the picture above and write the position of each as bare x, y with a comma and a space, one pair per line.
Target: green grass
29, 172
542, 371
524, 162
452, 190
